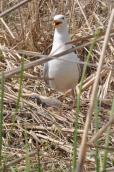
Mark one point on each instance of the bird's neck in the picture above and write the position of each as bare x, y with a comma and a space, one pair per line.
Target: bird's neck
61, 36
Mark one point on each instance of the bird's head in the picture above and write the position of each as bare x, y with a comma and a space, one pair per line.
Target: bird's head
59, 21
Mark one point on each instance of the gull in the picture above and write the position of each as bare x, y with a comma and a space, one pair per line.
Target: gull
63, 73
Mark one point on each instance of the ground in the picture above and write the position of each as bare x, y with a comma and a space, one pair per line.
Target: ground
35, 133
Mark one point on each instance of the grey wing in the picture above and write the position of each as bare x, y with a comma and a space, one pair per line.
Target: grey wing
80, 66
45, 73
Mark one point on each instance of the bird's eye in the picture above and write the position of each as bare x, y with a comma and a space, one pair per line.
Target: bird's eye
62, 18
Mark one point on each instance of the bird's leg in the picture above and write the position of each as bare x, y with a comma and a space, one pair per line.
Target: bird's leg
73, 92
63, 97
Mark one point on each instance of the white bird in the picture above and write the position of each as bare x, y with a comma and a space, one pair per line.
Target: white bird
64, 72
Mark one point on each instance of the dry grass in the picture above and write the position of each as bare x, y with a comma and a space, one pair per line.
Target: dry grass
49, 133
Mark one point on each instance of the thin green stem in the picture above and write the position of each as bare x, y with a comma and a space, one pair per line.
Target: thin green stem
27, 159
78, 98
1, 113
107, 140
19, 92
97, 110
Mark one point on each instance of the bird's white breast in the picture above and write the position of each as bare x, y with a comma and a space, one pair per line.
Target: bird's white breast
64, 72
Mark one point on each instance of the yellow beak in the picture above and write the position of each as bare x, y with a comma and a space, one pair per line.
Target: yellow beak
56, 23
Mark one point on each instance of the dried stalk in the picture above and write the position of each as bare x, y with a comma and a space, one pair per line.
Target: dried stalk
43, 60
101, 131
83, 148
7, 28
13, 8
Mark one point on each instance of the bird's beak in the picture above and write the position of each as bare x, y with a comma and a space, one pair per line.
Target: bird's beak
56, 23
